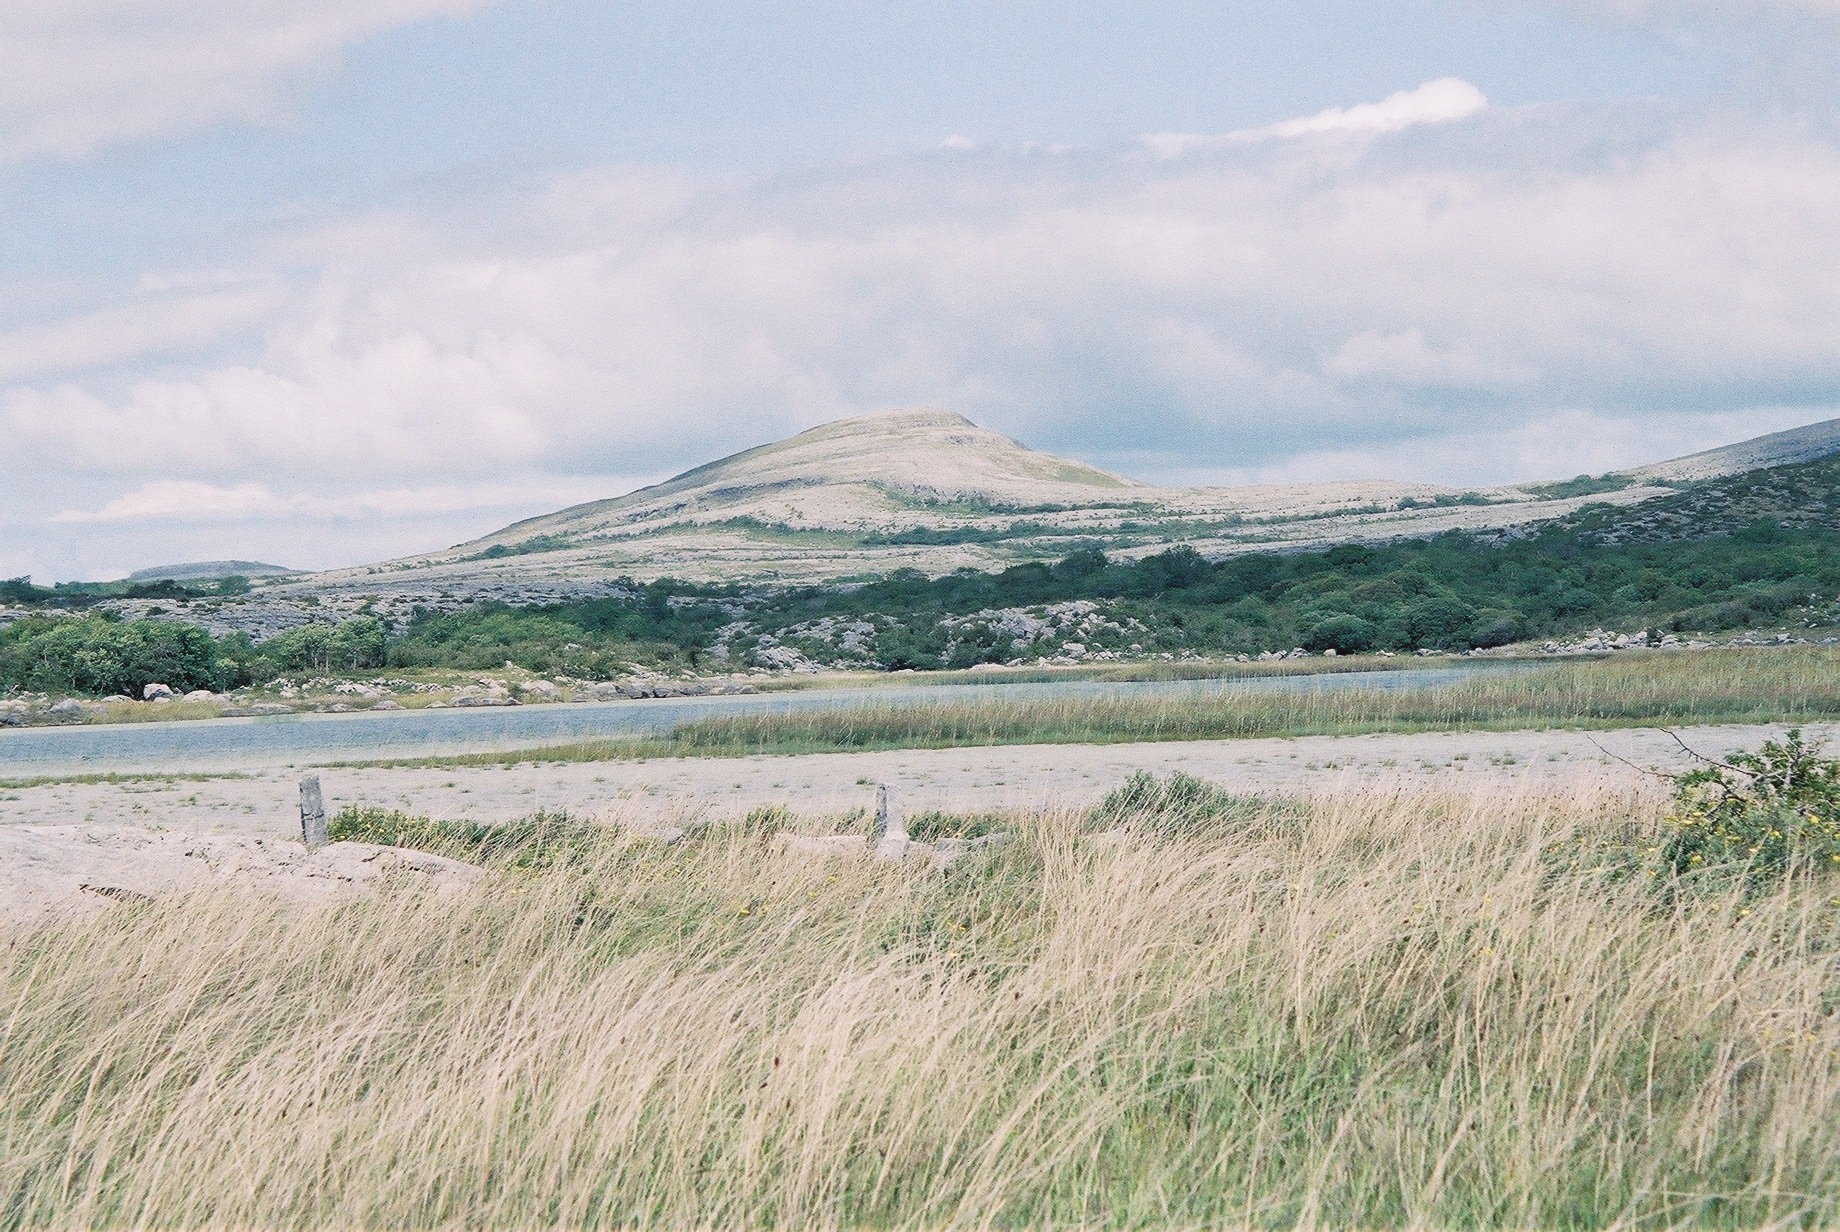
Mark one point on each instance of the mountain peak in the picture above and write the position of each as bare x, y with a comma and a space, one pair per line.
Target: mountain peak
924, 454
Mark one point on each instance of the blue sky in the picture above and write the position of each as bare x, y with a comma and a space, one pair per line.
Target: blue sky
325, 284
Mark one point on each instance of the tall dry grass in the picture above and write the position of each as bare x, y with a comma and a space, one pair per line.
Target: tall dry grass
1386, 1008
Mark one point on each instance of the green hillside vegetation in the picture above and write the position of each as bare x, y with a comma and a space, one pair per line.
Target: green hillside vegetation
98, 655
1453, 593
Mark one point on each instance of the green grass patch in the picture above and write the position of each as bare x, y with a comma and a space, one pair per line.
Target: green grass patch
537, 841
48, 780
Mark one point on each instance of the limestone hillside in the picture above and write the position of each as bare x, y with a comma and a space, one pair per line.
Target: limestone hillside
930, 490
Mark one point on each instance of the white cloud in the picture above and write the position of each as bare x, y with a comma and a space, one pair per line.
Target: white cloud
1234, 310
1548, 445
1406, 359
183, 501
148, 326
1436, 102
82, 73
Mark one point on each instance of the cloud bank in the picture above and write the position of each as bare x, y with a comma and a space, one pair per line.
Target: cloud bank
1468, 294
83, 73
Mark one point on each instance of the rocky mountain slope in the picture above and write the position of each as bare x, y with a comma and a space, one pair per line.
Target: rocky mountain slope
932, 491
1809, 443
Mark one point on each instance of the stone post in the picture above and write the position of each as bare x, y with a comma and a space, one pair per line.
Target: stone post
312, 813
889, 838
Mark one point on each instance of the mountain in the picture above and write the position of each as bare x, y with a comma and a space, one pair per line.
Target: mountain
1810, 443
931, 490
206, 570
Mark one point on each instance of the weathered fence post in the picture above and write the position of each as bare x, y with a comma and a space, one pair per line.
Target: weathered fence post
881, 814
889, 838
312, 813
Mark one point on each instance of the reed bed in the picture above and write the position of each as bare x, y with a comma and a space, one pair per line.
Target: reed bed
1380, 1008
1798, 684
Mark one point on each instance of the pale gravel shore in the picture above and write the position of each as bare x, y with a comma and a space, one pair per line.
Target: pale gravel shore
958, 780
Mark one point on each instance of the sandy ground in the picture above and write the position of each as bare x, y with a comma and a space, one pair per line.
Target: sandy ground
265, 803
48, 871
74, 847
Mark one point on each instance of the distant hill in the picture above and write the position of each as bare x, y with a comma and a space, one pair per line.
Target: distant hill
205, 570
932, 491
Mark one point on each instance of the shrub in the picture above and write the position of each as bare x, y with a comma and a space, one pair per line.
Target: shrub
1760, 815
1183, 806
99, 655
1495, 628
1343, 634
352, 645
1438, 622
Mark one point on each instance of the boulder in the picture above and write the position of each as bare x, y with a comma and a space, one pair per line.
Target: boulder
69, 708
486, 700
157, 693
200, 695
388, 703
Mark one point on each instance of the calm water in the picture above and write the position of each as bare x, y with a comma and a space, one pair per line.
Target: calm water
306, 739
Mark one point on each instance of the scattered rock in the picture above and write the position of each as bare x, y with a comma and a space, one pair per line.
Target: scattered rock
68, 708
200, 695
388, 703
157, 693
52, 871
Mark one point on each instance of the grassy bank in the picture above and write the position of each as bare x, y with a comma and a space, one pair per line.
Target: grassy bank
1380, 1010
1797, 684
1121, 673
1788, 685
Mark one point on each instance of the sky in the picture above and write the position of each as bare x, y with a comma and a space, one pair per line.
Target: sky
327, 284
